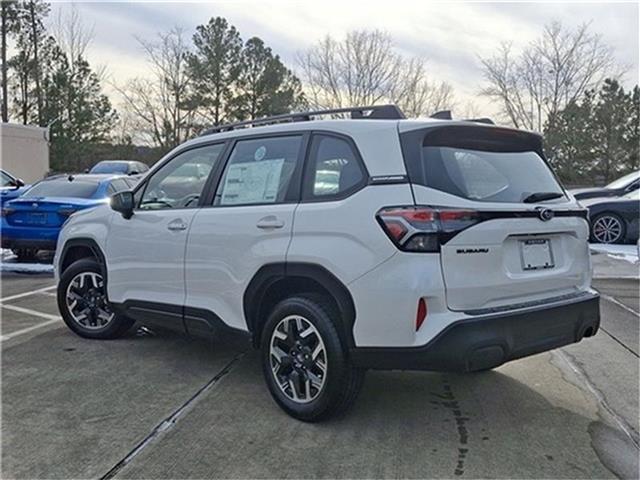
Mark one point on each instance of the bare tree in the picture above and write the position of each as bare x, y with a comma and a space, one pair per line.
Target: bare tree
71, 34
551, 72
470, 109
160, 104
365, 69
416, 95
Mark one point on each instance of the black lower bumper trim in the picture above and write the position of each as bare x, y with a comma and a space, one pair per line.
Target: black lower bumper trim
489, 341
14, 244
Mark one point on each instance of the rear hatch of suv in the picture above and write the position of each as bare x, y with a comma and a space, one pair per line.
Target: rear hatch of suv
509, 236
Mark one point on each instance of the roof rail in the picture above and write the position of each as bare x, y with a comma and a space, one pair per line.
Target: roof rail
378, 112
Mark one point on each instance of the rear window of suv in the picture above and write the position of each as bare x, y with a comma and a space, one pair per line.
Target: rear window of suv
479, 163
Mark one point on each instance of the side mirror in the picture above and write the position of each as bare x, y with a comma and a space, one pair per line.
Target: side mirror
18, 183
123, 202
86, 170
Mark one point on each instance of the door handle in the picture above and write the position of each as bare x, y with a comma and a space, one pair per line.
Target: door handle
176, 225
270, 222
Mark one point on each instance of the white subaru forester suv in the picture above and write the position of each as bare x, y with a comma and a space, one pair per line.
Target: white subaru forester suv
339, 245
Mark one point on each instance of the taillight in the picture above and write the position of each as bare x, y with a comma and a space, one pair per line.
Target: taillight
7, 211
423, 229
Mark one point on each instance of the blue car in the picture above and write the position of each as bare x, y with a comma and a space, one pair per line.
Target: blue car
33, 221
10, 187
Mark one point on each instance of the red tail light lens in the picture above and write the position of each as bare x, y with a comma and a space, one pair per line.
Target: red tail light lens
421, 314
422, 229
7, 211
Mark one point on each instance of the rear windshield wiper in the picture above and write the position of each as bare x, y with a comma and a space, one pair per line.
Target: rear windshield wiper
541, 197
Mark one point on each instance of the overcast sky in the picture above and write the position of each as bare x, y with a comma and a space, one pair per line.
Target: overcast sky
450, 35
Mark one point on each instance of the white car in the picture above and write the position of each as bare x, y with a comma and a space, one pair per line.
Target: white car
341, 245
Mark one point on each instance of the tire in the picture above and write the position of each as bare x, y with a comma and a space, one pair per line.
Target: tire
328, 395
92, 317
608, 228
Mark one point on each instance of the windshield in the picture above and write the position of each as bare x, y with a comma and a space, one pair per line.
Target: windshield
624, 181
110, 167
487, 176
63, 188
7, 181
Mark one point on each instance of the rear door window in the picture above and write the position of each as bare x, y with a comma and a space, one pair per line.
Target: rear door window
259, 171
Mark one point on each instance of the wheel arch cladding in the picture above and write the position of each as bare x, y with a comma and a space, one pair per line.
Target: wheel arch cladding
78, 248
275, 282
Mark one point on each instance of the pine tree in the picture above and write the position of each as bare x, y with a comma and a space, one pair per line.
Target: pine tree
28, 63
595, 138
214, 66
265, 86
9, 26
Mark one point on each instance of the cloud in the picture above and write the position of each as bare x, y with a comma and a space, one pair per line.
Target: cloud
451, 36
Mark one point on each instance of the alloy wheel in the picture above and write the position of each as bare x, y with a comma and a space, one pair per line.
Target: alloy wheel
298, 359
607, 229
86, 301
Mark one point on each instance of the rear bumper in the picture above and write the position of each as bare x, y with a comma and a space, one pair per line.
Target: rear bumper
25, 243
487, 341
28, 237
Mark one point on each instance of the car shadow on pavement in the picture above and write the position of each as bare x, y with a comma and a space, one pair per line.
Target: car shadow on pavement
522, 421
65, 398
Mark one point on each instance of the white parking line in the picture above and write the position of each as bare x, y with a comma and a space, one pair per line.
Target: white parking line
26, 294
11, 335
51, 319
33, 313
619, 303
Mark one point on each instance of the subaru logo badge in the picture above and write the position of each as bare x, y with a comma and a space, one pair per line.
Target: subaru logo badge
34, 205
545, 214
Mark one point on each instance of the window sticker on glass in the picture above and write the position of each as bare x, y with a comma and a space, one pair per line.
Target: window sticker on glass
252, 182
260, 153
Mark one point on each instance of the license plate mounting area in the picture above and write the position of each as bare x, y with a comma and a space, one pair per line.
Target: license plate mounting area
536, 254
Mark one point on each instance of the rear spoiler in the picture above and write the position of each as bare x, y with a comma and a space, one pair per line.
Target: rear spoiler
472, 137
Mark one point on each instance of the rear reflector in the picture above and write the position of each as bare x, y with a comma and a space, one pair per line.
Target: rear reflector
421, 229
421, 314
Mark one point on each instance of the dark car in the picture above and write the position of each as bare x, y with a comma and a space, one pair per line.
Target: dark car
33, 221
125, 167
614, 220
617, 188
10, 187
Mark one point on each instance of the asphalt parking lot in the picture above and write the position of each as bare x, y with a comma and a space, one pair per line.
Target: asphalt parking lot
159, 405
